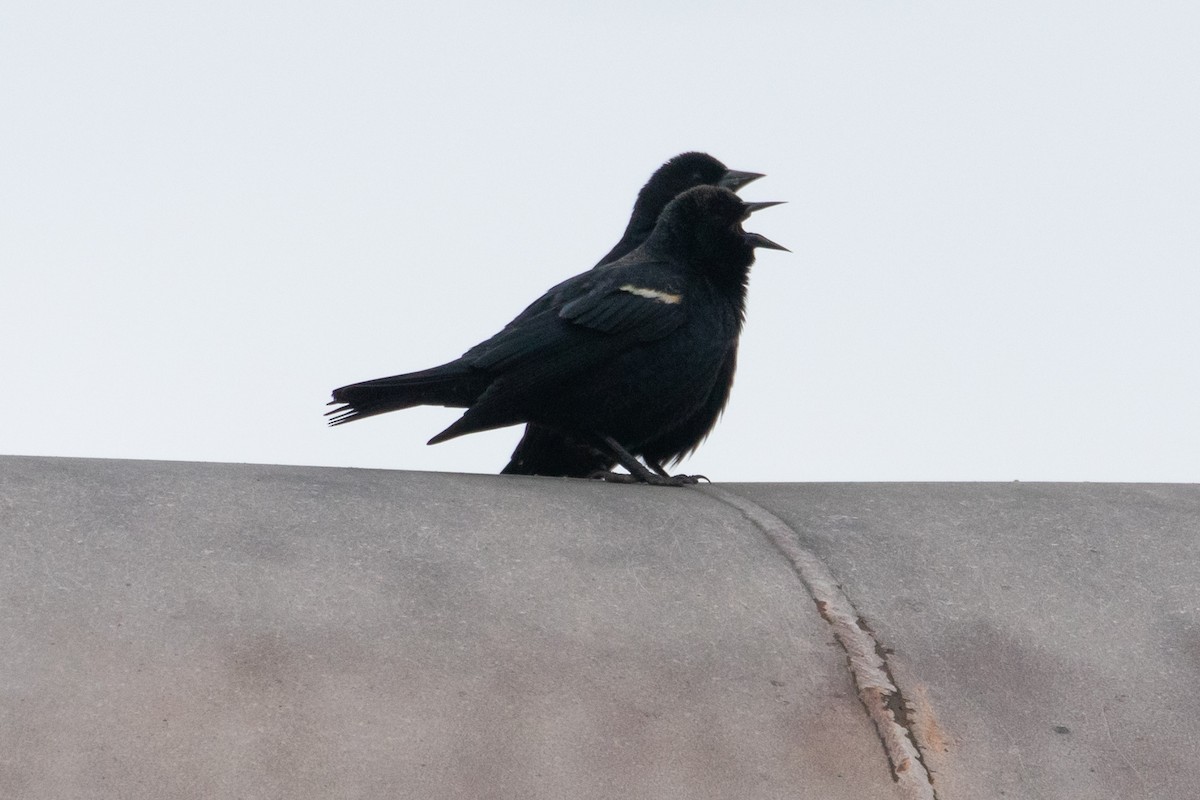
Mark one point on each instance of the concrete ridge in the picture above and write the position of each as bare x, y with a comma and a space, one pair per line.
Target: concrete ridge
220, 630
876, 687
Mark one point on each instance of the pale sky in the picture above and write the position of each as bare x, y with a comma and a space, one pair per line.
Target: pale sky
212, 214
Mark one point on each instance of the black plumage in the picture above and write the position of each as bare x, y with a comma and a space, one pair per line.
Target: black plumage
619, 358
670, 180
545, 451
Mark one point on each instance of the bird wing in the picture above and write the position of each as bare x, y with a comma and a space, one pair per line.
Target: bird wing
586, 319
590, 322
643, 309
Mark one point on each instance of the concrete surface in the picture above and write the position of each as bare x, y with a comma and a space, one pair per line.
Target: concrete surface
194, 630
1047, 635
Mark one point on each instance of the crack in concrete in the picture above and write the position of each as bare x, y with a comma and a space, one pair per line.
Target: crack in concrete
883, 700
896, 702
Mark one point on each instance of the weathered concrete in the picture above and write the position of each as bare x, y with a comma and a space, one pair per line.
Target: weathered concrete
231, 631
1047, 635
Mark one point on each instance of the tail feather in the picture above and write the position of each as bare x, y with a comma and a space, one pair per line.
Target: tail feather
455, 385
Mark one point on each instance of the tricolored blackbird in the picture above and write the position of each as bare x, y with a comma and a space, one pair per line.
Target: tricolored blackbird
618, 357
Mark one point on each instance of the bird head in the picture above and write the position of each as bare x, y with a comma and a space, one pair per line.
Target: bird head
703, 228
683, 172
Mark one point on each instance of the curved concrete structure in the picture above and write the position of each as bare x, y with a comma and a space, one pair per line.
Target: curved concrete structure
223, 631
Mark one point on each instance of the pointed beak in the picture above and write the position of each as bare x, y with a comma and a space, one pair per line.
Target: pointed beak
752, 207
758, 240
735, 179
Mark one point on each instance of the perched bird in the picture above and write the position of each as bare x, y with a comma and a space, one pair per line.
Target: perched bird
617, 357
544, 451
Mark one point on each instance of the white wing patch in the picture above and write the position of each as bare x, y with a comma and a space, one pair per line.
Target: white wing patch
653, 294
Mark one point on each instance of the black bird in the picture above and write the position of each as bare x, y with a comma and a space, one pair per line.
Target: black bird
544, 451
617, 357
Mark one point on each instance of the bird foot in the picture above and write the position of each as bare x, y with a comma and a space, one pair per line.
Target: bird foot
650, 479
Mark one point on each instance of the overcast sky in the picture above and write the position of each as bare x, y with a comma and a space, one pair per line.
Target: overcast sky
211, 214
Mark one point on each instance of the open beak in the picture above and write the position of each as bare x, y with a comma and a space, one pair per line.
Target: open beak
735, 179
757, 239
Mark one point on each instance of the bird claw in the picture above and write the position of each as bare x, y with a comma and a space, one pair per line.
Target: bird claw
651, 479
683, 480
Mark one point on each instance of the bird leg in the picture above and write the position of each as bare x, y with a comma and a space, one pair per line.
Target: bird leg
638, 473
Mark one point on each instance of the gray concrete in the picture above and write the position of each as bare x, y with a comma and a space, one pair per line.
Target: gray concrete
234, 631
1047, 635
